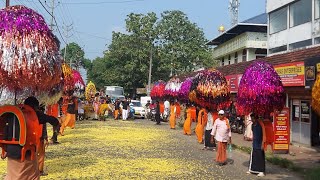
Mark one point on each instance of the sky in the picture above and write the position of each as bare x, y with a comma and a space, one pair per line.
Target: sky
92, 21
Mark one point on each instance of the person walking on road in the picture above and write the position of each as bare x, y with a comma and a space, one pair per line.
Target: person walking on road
222, 133
172, 115
157, 115
125, 105
202, 120
257, 159
211, 117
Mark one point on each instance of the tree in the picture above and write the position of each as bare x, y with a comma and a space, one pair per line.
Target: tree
173, 41
75, 55
183, 42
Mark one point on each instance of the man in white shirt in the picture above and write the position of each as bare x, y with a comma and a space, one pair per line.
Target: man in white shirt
222, 133
166, 109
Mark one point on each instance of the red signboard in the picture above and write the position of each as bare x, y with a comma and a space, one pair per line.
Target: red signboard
291, 74
233, 82
281, 129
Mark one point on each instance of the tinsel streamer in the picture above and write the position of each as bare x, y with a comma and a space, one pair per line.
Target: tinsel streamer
68, 80
157, 91
260, 91
315, 104
29, 52
172, 88
90, 90
183, 94
209, 89
77, 80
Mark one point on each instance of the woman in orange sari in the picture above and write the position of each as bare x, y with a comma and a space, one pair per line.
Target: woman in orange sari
172, 119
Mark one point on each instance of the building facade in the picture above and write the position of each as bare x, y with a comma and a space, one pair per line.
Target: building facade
293, 24
243, 42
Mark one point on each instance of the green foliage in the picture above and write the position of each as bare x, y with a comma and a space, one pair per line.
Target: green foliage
313, 174
174, 42
75, 54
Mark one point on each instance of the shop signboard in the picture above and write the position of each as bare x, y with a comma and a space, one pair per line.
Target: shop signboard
291, 74
312, 70
281, 129
233, 82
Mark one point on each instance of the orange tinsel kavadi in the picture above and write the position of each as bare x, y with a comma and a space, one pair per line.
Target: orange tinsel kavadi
210, 89
316, 96
29, 52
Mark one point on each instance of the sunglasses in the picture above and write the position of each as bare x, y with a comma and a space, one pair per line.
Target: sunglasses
220, 114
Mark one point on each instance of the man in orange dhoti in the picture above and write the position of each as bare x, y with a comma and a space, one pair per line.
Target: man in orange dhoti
222, 133
172, 115
202, 119
187, 123
69, 119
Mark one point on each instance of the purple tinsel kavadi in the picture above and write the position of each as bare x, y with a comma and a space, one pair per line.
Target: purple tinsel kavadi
260, 91
184, 91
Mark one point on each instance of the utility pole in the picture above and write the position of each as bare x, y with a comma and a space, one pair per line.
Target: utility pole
52, 7
7, 3
150, 69
67, 28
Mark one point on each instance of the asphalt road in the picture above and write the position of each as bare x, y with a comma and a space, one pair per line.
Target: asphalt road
140, 150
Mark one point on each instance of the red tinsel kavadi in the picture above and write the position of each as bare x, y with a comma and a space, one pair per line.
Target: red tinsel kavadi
157, 91
260, 90
29, 53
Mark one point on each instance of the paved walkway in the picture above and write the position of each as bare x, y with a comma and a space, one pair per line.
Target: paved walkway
304, 157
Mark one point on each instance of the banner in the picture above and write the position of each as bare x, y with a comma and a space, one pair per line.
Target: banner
233, 82
291, 74
312, 69
281, 129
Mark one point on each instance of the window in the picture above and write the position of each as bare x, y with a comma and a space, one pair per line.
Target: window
278, 49
316, 9
260, 53
222, 62
278, 20
317, 40
244, 55
236, 58
300, 12
229, 59
300, 44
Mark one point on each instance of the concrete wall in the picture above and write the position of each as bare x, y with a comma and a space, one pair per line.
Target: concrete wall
275, 4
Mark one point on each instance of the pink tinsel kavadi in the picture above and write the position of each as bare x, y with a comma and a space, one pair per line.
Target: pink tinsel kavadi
77, 79
184, 91
172, 88
157, 92
29, 52
260, 90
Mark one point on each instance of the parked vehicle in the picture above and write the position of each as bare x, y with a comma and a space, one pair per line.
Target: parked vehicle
139, 111
115, 92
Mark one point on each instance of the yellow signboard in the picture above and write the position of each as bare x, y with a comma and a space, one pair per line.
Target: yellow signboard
318, 67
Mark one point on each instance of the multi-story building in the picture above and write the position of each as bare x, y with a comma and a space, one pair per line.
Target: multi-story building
243, 42
293, 24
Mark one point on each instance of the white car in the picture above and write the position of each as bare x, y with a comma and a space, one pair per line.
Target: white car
139, 111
